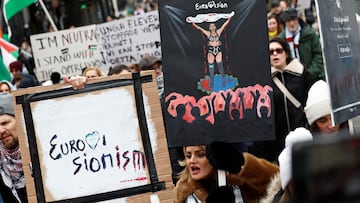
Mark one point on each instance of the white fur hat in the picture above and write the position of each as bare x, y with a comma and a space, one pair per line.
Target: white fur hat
318, 102
298, 135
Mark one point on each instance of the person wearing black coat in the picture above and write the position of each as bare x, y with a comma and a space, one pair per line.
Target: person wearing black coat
297, 80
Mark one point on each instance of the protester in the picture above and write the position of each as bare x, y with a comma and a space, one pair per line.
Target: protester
55, 78
280, 189
21, 79
291, 75
246, 173
26, 81
303, 42
154, 63
92, 72
275, 9
293, 3
119, 70
12, 184
283, 5
6, 86
110, 18
16, 67
26, 58
274, 26
318, 109
134, 68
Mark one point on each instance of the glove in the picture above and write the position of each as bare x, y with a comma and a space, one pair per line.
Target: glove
224, 156
223, 194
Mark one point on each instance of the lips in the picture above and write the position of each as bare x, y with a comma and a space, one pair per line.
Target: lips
194, 170
5, 137
275, 60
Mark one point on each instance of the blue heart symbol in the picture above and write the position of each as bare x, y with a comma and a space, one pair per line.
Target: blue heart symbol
92, 139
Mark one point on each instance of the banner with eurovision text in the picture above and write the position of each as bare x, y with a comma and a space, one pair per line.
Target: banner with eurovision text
123, 41
339, 32
216, 71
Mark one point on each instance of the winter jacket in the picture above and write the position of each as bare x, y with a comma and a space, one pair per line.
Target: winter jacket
252, 180
310, 50
287, 116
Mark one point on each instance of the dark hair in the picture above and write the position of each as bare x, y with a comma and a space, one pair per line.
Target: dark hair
55, 77
117, 69
343, 130
275, 4
285, 46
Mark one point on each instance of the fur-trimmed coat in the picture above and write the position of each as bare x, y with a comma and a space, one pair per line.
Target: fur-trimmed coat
252, 180
273, 188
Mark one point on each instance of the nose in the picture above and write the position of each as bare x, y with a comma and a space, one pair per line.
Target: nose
192, 159
2, 130
329, 125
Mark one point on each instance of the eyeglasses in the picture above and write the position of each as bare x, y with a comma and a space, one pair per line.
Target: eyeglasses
277, 50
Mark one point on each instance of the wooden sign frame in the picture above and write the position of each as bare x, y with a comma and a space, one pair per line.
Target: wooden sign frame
158, 181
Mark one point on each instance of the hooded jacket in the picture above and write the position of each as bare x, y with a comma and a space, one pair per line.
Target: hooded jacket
252, 180
310, 50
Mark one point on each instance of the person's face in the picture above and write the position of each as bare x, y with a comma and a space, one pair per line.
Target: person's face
91, 74
272, 24
8, 135
212, 27
133, 68
283, 5
277, 56
292, 24
4, 88
109, 19
276, 10
324, 125
197, 163
157, 69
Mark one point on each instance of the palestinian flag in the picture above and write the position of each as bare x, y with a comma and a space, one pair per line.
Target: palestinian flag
12, 7
9, 54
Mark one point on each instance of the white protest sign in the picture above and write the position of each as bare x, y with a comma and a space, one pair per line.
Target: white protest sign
83, 154
66, 51
303, 4
127, 40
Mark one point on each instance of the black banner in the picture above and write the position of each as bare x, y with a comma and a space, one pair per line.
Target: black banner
216, 71
341, 47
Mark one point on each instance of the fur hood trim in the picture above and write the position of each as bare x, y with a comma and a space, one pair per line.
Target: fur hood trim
273, 188
294, 67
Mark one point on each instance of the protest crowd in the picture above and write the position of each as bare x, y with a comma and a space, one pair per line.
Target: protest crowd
258, 171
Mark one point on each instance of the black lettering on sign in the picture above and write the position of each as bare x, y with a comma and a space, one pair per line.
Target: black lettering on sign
47, 42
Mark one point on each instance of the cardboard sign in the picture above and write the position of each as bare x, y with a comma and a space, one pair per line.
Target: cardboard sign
66, 51
216, 84
127, 40
105, 45
103, 142
340, 42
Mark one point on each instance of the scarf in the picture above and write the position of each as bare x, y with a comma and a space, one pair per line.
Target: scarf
272, 34
11, 169
293, 41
